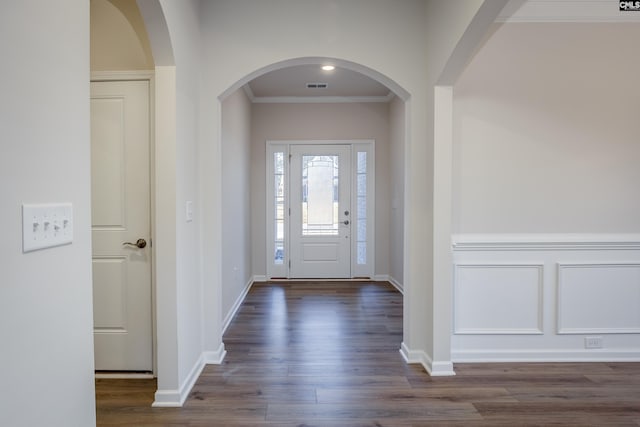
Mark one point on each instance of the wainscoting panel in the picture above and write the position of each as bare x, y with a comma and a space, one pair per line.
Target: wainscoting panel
498, 299
598, 298
546, 298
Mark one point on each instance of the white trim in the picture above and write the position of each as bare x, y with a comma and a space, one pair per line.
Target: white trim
273, 269
535, 355
503, 331
520, 11
363, 270
411, 356
544, 242
314, 99
497, 331
560, 283
124, 375
320, 141
434, 369
98, 76
281, 271
319, 99
441, 369
176, 398
249, 92
167, 399
399, 286
236, 305
142, 75
215, 357
298, 280
259, 278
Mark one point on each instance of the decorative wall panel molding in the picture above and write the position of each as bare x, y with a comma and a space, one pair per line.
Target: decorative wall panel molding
599, 298
498, 299
546, 297
545, 242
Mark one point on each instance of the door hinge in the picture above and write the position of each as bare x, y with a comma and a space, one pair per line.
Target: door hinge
289, 263
150, 242
290, 157
289, 211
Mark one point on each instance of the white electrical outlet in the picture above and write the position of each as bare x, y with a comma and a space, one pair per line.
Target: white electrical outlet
592, 342
46, 225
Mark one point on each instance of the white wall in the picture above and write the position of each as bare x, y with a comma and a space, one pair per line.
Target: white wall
183, 24
396, 187
546, 138
271, 122
46, 316
236, 200
181, 321
546, 206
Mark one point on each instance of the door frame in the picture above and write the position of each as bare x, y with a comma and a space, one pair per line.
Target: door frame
282, 270
149, 76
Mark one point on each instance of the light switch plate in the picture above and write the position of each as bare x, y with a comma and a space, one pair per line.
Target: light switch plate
46, 225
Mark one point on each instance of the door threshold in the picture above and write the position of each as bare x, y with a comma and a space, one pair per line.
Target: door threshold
131, 375
351, 279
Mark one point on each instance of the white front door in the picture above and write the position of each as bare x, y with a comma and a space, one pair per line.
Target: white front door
120, 187
320, 229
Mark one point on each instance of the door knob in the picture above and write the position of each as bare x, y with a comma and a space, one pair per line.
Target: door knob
345, 222
140, 243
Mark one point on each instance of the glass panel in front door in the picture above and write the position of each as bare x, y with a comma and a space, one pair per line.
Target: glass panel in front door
320, 183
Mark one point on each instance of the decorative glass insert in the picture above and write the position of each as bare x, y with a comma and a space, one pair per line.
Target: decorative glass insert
278, 176
320, 176
361, 208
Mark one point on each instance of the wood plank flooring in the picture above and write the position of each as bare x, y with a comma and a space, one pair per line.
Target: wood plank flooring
326, 354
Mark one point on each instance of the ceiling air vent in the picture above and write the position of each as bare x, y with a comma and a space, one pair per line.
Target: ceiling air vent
317, 85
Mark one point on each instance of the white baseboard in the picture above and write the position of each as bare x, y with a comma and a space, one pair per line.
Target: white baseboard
124, 375
390, 279
167, 399
396, 284
176, 398
493, 356
411, 356
236, 305
260, 278
435, 369
215, 357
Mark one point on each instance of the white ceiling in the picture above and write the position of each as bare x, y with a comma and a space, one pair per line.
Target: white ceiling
566, 11
291, 82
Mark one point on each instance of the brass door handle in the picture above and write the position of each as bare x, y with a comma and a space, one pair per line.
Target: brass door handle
140, 243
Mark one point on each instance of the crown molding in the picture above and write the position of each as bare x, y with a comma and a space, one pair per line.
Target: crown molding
579, 11
314, 99
249, 92
321, 99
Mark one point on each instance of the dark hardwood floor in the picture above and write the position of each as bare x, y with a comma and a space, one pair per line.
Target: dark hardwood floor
326, 354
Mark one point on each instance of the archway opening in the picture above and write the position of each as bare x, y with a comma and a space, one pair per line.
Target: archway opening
252, 114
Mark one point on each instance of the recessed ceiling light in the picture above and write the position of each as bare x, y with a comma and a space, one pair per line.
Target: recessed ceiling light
328, 67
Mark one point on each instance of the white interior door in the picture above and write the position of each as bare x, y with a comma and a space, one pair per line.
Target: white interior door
320, 194
121, 213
